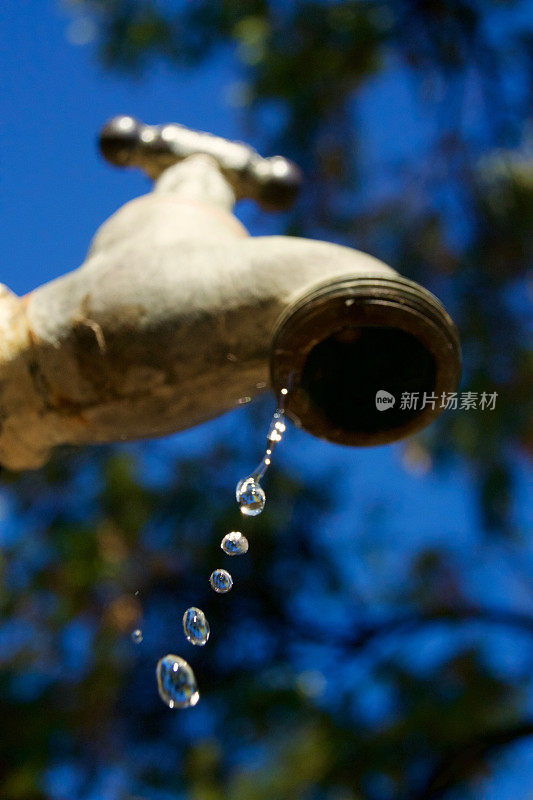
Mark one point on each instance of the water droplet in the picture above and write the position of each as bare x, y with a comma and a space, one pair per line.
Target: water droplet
234, 543
250, 497
277, 428
221, 581
176, 682
137, 636
195, 626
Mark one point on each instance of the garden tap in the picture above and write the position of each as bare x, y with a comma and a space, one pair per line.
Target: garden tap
177, 315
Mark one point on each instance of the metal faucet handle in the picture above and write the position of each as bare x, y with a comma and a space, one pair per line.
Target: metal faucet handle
272, 182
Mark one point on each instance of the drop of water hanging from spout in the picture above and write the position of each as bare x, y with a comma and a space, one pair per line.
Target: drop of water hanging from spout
221, 581
176, 682
250, 497
234, 543
196, 626
249, 492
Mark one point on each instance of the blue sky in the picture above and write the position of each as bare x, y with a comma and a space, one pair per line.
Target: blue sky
54, 192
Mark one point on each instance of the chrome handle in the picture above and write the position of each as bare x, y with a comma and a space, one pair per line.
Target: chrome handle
272, 182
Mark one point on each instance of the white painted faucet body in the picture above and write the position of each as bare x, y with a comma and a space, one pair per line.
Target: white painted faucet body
169, 322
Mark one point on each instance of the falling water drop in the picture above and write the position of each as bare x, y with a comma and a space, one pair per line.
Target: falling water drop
234, 543
137, 636
221, 581
176, 682
250, 496
196, 626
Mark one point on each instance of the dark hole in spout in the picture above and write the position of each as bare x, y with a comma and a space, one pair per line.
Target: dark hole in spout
344, 372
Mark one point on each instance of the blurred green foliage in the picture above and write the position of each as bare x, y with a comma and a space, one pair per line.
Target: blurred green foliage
307, 691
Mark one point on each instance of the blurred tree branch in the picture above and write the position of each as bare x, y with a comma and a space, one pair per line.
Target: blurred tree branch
467, 757
409, 623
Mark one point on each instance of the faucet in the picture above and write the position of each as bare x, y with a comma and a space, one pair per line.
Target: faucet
177, 315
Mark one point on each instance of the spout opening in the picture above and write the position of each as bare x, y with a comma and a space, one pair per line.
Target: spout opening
354, 349
343, 374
